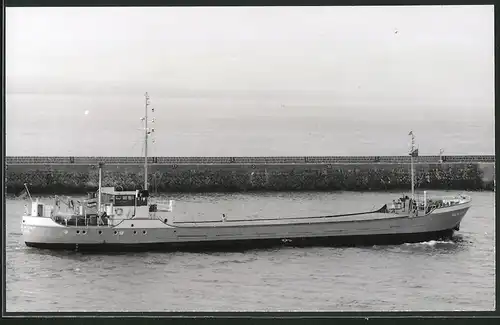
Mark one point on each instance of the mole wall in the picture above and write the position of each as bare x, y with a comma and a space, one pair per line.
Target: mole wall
224, 174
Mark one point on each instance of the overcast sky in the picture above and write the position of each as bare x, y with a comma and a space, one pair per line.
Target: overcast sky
435, 54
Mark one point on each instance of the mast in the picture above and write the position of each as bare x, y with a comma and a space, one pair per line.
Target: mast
441, 151
146, 142
100, 186
413, 152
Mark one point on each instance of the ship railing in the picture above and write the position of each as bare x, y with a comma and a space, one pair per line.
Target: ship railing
442, 202
71, 204
395, 206
418, 204
164, 206
66, 208
80, 220
459, 199
414, 209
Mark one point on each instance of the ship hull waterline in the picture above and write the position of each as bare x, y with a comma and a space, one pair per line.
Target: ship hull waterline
153, 235
252, 244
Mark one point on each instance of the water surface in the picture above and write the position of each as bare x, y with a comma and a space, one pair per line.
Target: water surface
435, 275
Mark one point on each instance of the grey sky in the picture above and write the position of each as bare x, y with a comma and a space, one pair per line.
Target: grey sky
439, 54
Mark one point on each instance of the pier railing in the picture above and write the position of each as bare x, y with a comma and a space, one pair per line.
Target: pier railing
26, 160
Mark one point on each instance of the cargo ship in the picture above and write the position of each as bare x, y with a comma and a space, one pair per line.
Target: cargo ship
116, 220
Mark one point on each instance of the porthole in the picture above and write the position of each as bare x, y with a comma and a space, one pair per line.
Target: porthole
116, 232
135, 232
100, 232
84, 232
78, 231
144, 232
132, 225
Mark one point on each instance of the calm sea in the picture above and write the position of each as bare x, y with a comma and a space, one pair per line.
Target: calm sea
237, 125
452, 275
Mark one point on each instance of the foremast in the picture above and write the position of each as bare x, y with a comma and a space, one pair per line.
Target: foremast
99, 194
413, 154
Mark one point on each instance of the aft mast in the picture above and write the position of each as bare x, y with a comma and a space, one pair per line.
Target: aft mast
146, 142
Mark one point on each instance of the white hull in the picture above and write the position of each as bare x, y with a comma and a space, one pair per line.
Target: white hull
44, 232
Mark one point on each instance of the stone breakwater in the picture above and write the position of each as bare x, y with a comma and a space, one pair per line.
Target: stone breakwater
231, 174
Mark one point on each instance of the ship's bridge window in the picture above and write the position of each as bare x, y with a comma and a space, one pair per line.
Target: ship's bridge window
142, 198
142, 201
124, 200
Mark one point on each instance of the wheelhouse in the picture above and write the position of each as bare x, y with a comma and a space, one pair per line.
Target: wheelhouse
118, 198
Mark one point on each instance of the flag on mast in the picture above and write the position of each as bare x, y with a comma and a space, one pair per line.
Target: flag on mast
414, 151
